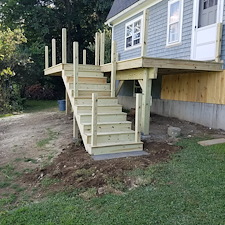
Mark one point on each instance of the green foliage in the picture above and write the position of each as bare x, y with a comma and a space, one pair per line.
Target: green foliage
40, 105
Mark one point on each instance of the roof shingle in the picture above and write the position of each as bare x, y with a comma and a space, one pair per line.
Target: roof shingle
118, 6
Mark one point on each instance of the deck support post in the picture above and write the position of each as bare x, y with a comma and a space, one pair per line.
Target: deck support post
218, 41
53, 52
113, 70
84, 57
145, 29
146, 102
75, 68
46, 58
102, 49
94, 119
75, 128
68, 104
64, 46
119, 87
97, 48
138, 118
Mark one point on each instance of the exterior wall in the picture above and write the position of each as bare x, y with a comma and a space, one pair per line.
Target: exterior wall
207, 87
223, 38
209, 115
119, 37
157, 32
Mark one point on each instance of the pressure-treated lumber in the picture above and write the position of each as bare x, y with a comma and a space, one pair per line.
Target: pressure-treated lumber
75, 67
68, 104
102, 48
53, 52
113, 70
218, 41
46, 58
138, 118
97, 48
84, 57
94, 119
145, 32
75, 128
64, 46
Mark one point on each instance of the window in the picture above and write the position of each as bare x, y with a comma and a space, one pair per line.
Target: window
133, 33
174, 26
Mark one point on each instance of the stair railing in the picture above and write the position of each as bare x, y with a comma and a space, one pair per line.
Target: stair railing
138, 118
94, 119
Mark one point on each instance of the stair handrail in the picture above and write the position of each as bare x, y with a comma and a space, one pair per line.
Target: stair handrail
75, 68
94, 119
138, 117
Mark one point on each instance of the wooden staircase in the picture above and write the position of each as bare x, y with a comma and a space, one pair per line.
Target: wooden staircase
113, 131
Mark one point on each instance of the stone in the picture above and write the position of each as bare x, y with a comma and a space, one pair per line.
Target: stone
174, 131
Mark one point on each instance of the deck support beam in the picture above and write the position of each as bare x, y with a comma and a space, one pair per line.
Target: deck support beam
146, 101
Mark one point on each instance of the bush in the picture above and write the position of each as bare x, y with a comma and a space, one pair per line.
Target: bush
39, 92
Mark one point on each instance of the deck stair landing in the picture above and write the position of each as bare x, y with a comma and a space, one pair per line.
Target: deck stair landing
114, 133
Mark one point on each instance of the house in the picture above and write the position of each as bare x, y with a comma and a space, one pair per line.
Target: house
175, 29
166, 56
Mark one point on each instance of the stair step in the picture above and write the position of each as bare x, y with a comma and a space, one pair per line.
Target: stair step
111, 137
88, 80
105, 87
88, 108
90, 74
105, 148
83, 92
104, 101
103, 117
108, 127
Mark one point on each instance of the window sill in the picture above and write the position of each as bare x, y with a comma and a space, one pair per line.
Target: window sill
133, 47
173, 44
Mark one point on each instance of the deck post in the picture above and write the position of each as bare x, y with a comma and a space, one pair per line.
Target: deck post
138, 118
75, 68
46, 58
64, 46
75, 128
97, 48
84, 57
94, 119
145, 29
113, 70
68, 104
146, 102
218, 41
119, 87
53, 52
102, 49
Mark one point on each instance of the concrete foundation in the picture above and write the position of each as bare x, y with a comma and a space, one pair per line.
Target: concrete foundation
209, 115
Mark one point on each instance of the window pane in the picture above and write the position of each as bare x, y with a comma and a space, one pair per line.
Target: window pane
129, 30
137, 35
174, 32
137, 26
174, 12
137, 41
129, 42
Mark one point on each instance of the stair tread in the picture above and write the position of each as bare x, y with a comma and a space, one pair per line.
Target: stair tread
99, 97
88, 105
106, 123
112, 132
105, 113
116, 144
94, 90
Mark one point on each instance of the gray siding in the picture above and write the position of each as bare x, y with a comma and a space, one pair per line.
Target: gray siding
119, 37
157, 32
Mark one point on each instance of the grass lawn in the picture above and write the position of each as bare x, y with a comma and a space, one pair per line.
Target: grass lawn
190, 189
39, 105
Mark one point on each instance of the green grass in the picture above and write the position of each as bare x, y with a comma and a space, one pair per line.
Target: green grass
40, 105
5, 115
51, 136
188, 190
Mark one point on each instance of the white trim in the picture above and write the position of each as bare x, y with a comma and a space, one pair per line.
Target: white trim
133, 10
180, 23
220, 12
141, 33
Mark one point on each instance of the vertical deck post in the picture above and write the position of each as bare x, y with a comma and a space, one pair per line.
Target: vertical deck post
113, 70
94, 119
218, 41
68, 104
64, 46
46, 58
75, 68
145, 29
97, 48
84, 57
146, 102
53, 52
138, 118
102, 49
75, 128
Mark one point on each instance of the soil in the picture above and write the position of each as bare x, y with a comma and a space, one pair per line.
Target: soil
43, 142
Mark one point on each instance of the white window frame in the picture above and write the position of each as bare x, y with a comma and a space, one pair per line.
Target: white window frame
141, 31
180, 23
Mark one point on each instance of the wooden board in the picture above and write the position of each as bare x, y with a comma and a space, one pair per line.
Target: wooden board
212, 142
206, 87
